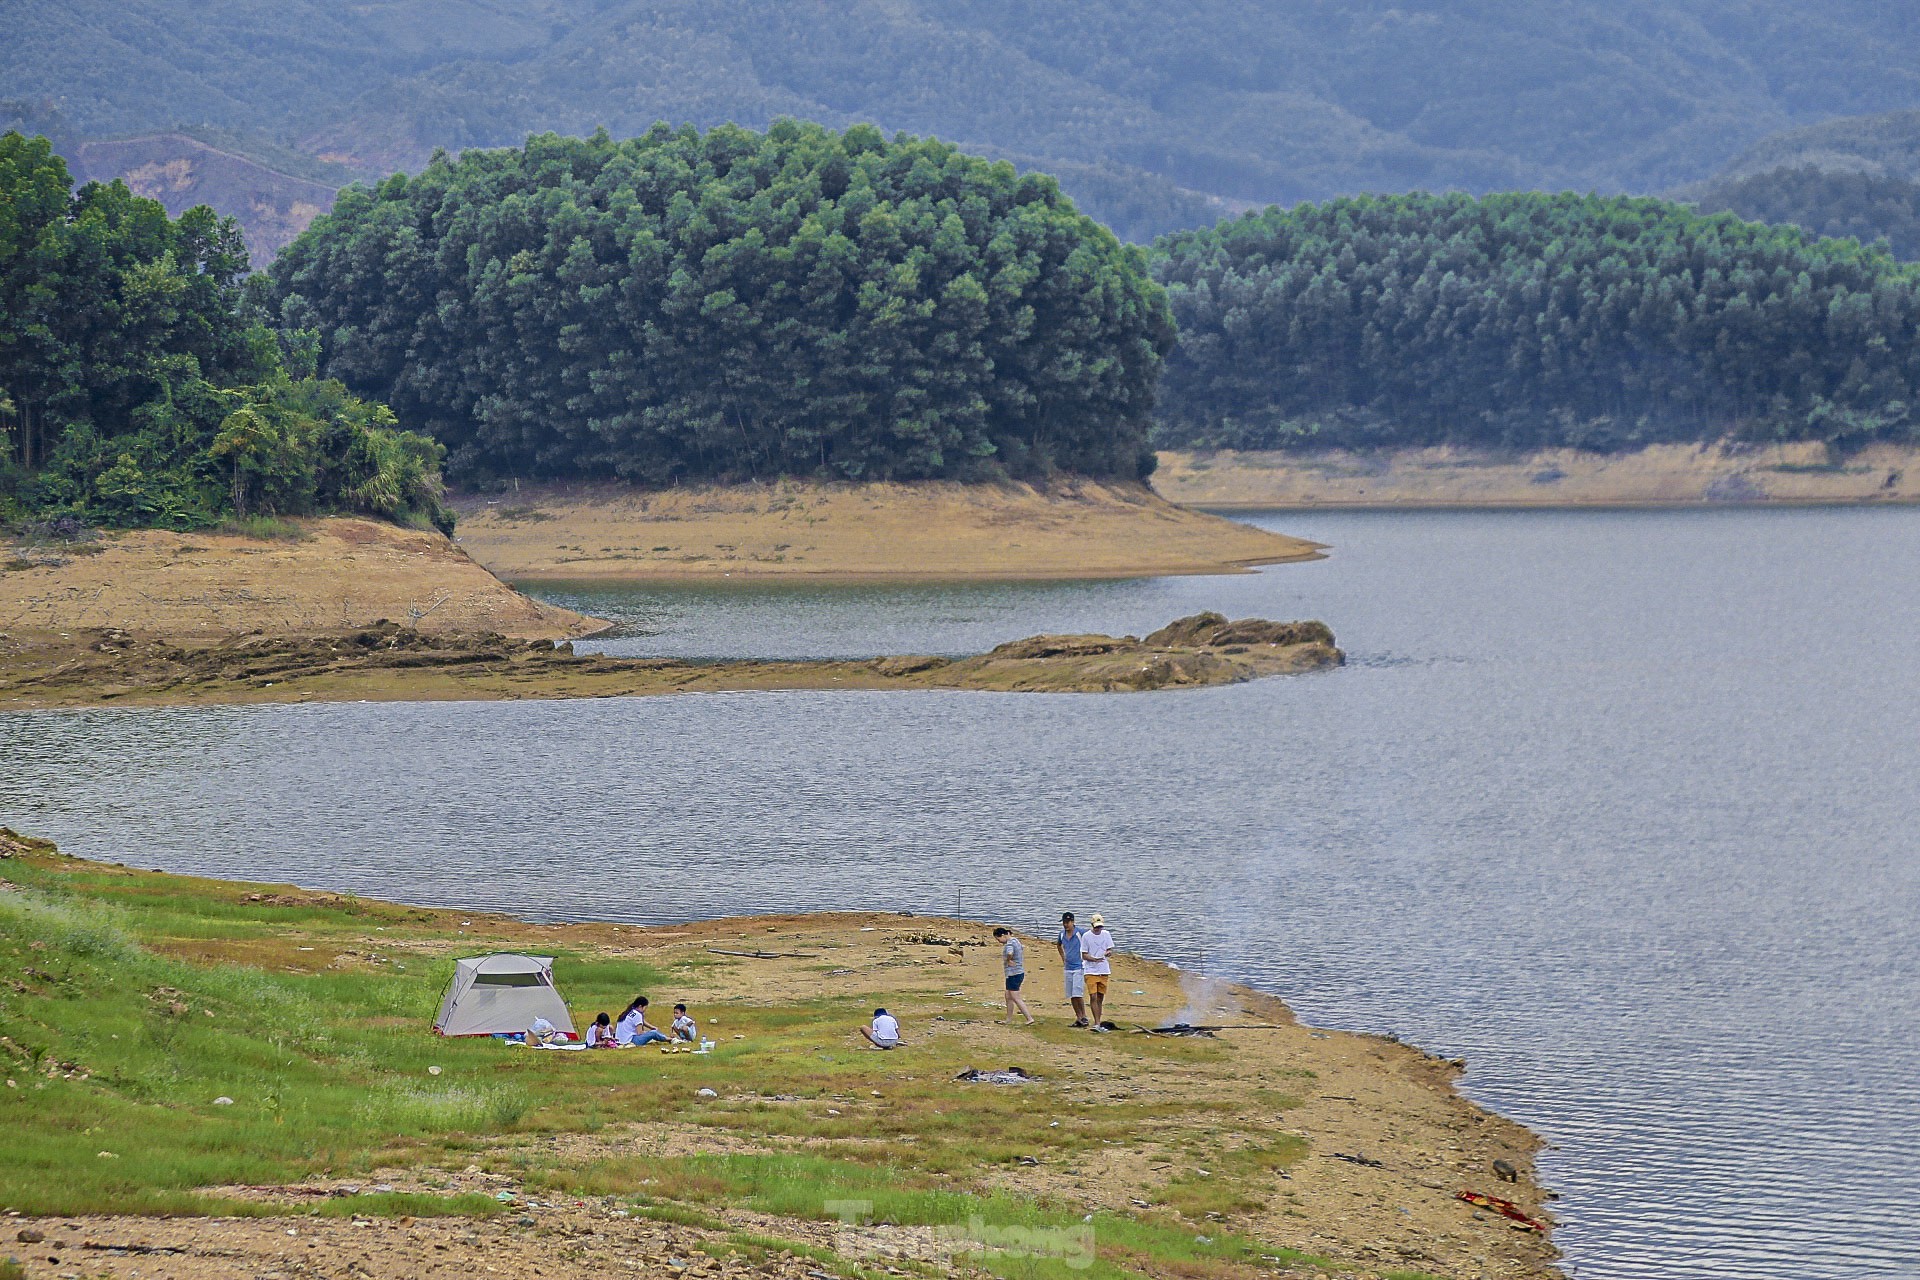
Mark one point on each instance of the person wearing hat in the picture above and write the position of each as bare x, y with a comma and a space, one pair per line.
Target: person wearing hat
1096, 944
1068, 945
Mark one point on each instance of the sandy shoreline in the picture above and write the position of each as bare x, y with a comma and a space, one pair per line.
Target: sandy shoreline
1659, 476
802, 530
1361, 1142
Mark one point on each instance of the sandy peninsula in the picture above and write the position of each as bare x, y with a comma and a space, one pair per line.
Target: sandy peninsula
274, 1102
802, 529
328, 574
1662, 475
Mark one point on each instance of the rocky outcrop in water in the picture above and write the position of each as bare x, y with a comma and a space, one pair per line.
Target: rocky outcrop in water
387, 660
1204, 649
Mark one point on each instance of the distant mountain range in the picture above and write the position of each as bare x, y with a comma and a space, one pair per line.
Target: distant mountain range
1155, 115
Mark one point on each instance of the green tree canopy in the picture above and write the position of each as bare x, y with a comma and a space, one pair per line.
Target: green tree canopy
734, 304
1526, 320
128, 338
1867, 207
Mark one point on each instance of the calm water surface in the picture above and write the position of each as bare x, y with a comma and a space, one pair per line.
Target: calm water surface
1619, 806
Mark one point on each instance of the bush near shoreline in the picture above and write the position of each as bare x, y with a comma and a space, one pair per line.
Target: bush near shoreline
140, 385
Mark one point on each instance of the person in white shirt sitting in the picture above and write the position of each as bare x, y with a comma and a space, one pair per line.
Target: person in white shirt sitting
885, 1031
633, 1029
600, 1034
683, 1026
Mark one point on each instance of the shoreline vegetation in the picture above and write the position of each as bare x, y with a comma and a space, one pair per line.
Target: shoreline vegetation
930, 530
271, 1098
1448, 476
386, 662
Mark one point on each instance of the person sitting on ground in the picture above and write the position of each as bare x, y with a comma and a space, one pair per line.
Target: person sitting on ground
600, 1034
1096, 944
634, 1030
1013, 959
1068, 945
683, 1027
885, 1031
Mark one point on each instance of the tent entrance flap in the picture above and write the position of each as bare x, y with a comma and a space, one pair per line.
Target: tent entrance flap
492, 995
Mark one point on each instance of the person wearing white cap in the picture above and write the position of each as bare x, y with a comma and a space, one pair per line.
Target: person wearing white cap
1096, 944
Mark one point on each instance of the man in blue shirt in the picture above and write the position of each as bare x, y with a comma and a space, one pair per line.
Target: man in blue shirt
1068, 945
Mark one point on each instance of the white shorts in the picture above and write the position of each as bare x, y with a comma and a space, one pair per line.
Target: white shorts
1076, 983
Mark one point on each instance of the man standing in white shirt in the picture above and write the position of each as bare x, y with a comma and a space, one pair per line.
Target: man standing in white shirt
1096, 944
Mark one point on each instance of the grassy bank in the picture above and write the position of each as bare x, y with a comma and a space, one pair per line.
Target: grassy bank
136, 1002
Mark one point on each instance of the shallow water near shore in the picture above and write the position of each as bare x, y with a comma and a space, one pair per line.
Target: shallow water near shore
1618, 805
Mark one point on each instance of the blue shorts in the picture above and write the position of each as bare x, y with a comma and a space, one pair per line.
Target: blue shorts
1014, 980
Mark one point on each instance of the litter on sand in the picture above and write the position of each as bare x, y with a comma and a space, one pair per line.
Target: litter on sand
1505, 1208
1010, 1075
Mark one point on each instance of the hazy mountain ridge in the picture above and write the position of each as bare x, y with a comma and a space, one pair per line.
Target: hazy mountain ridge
1857, 176
1158, 113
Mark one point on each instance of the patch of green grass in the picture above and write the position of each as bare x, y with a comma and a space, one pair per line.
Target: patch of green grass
1011, 1236
118, 1046
396, 1204
1233, 1180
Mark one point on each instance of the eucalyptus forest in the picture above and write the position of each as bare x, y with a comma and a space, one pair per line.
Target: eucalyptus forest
729, 305
1523, 320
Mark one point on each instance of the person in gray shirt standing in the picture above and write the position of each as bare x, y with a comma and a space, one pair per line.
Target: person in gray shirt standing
1013, 960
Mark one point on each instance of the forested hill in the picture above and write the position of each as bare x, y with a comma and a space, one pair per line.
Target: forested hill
1525, 320
735, 305
141, 385
1155, 115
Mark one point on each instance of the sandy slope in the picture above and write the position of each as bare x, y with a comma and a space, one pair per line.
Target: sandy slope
1662, 474
790, 528
343, 573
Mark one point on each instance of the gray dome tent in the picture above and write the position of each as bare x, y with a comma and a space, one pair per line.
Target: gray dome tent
490, 995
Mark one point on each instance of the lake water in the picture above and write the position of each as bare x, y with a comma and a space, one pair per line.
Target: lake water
1618, 805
